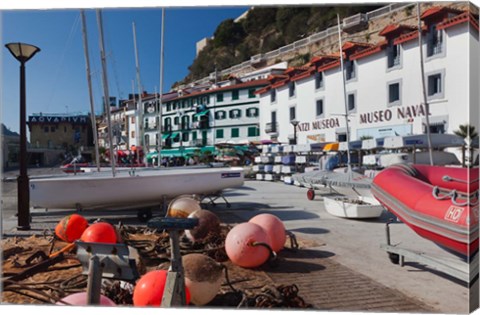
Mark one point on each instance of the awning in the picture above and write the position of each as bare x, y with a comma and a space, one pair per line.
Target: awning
202, 113
166, 136
174, 134
331, 146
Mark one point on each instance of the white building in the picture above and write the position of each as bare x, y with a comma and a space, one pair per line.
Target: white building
383, 85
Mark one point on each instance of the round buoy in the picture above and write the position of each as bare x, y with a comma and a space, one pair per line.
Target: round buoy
182, 207
149, 289
274, 228
71, 227
203, 277
208, 223
100, 232
247, 244
80, 298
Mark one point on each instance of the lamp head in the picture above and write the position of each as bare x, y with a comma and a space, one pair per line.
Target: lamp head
294, 122
22, 52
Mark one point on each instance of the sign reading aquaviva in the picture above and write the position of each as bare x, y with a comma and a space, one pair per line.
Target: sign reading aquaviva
58, 119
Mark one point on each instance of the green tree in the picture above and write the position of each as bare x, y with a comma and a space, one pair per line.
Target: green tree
465, 131
228, 33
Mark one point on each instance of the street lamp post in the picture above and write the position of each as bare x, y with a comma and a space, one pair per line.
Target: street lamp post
294, 124
23, 52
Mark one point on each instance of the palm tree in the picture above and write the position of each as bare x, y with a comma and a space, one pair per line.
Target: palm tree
465, 131
469, 133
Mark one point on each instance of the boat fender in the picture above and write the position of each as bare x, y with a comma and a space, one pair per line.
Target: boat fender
274, 228
71, 227
80, 299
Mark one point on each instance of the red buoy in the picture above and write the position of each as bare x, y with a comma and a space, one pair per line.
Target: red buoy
149, 289
247, 245
100, 232
71, 227
274, 228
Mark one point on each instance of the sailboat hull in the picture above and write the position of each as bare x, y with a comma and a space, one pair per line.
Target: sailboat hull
128, 189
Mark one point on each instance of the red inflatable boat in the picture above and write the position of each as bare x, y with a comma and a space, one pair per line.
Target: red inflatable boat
438, 203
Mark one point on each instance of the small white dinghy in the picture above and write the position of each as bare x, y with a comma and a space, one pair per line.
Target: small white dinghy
353, 208
129, 189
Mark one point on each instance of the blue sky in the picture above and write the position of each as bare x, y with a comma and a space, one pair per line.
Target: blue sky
56, 76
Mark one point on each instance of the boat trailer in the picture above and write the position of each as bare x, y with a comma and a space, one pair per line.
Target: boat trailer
464, 271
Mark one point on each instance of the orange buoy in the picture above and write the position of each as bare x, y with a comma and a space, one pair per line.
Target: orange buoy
149, 289
80, 298
274, 228
208, 223
71, 227
183, 206
100, 232
247, 245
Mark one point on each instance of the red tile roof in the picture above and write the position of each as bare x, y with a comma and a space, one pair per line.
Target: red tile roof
394, 29
369, 51
461, 18
435, 11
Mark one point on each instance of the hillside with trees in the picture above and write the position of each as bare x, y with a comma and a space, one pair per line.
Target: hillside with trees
265, 29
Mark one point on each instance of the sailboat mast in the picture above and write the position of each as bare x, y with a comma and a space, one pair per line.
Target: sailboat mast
161, 92
422, 70
344, 93
140, 91
89, 80
105, 90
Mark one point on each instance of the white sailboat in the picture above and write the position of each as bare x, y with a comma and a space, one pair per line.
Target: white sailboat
128, 189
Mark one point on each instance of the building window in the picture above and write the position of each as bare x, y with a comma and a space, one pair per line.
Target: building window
253, 132
393, 55
185, 136
251, 93
435, 86
350, 70
176, 120
235, 95
46, 129
219, 97
132, 120
319, 108
434, 41
219, 134
235, 132
292, 113
168, 123
176, 138
351, 102
252, 112
194, 135
64, 129
235, 114
318, 80
132, 134
291, 89
220, 115
394, 94
273, 95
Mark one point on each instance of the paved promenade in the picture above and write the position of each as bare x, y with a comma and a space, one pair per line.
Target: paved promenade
343, 267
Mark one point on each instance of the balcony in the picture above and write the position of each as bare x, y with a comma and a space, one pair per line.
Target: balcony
271, 127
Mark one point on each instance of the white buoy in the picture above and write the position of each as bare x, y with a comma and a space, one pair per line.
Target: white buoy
203, 277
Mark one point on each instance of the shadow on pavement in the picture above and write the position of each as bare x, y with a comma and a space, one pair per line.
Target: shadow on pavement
310, 230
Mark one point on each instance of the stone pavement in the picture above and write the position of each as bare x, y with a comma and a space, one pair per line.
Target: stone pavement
341, 269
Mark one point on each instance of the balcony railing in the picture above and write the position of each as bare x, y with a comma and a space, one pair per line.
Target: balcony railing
271, 127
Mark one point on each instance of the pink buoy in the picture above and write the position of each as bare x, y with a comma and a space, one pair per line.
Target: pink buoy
243, 245
80, 299
274, 228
